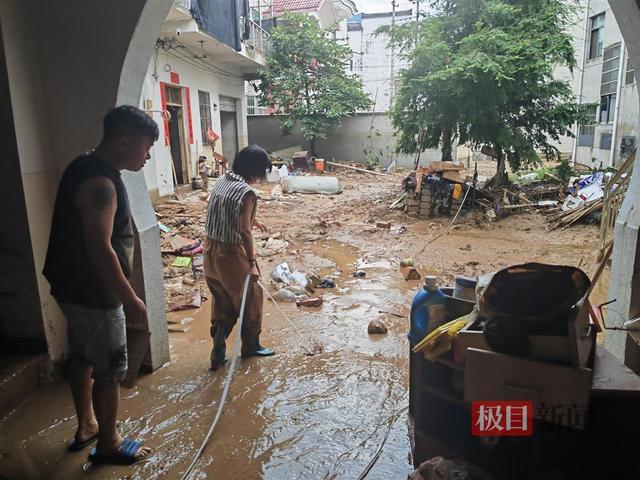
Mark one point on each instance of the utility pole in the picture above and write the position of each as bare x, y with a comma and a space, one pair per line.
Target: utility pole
417, 20
392, 89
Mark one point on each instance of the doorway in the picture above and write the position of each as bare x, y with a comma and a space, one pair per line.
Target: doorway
229, 128
176, 135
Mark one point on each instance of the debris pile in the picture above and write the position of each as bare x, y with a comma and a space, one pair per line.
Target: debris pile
443, 187
181, 244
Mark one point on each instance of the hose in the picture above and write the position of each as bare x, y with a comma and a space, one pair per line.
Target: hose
227, 382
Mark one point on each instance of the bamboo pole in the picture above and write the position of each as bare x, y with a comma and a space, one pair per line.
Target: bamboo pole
354, 168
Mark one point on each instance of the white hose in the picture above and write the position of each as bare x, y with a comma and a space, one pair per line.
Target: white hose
227, 382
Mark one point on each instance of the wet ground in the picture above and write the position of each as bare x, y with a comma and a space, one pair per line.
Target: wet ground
295, 416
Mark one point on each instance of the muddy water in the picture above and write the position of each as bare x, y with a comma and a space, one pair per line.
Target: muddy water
287, 417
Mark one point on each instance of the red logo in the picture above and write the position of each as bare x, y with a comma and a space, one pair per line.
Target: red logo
511, 418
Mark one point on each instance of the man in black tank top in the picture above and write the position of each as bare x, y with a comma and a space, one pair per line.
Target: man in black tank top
88, 264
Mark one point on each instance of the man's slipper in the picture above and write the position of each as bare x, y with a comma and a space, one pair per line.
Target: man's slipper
75, 446
125, 455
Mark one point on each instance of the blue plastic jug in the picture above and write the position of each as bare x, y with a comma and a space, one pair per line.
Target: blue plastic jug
427, 310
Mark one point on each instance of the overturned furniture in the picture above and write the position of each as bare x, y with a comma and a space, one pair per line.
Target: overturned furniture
530, 338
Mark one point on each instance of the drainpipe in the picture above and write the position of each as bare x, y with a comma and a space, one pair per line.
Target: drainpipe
574, 153
614, 142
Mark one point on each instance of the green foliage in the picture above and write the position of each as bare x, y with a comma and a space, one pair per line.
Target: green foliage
565, 170
372, 154
306, 80
481, 72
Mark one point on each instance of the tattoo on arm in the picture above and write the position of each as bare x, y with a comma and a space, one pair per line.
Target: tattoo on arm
102, 196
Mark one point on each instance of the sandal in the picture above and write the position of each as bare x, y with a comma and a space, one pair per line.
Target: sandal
124, 455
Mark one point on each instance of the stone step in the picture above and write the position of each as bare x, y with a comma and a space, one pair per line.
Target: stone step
20, 377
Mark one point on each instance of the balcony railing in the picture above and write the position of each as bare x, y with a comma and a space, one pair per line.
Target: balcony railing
258, 38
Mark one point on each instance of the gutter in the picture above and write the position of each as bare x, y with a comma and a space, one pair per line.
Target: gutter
616, 114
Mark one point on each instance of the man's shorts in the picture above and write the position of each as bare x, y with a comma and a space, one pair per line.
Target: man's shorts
98, 338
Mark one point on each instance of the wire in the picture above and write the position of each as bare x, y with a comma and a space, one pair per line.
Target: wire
299, 333
375, 458
225, 390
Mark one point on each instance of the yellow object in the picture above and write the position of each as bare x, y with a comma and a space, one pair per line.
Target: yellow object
457, 191
440, 341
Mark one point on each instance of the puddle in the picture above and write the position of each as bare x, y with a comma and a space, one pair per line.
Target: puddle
288, 416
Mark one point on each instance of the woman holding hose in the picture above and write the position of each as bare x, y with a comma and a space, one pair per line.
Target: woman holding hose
230, 255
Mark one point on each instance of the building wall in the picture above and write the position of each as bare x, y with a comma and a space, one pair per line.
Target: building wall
625, 281
64, 62
158, 171
372, 57
348, 142
627, 105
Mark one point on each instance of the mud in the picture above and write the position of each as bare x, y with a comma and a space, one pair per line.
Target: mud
295, 416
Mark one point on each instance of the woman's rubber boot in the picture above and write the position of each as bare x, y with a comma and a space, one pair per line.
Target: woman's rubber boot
251, 347
219, 350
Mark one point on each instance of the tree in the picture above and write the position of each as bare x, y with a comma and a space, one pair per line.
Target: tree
482, 71
306, 81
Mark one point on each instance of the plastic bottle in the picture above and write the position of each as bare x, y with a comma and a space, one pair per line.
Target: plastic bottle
427, 310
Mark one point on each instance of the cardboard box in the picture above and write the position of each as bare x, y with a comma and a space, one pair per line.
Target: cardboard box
552, 388
555, 348
444, 166
453, 175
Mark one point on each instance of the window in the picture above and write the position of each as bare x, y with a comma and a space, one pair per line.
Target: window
597, 36
629, 77
610, 69
205, 114
174, 96
607, 108
251, 105
587, 129
609, 83
605, 141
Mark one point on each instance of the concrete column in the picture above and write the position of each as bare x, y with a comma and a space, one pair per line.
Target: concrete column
625, 270
68, 62
149, 281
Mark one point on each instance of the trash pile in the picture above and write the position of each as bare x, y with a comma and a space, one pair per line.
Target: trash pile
443, 187
435, 190
585, 200
296, 287
181, 226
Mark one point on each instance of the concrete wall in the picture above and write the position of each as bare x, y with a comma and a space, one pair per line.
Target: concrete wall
625, 265
158, 171
65, 63
20, 312
347, 142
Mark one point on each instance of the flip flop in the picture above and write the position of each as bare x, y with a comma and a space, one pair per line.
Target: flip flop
75, 446
125, 455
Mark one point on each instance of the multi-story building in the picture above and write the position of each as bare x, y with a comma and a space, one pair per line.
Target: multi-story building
607, 82
268, 13
373, 60
195, 87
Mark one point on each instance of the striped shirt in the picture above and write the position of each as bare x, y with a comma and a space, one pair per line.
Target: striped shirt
225, 205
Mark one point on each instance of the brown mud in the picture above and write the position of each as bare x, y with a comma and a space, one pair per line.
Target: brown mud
295, 416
